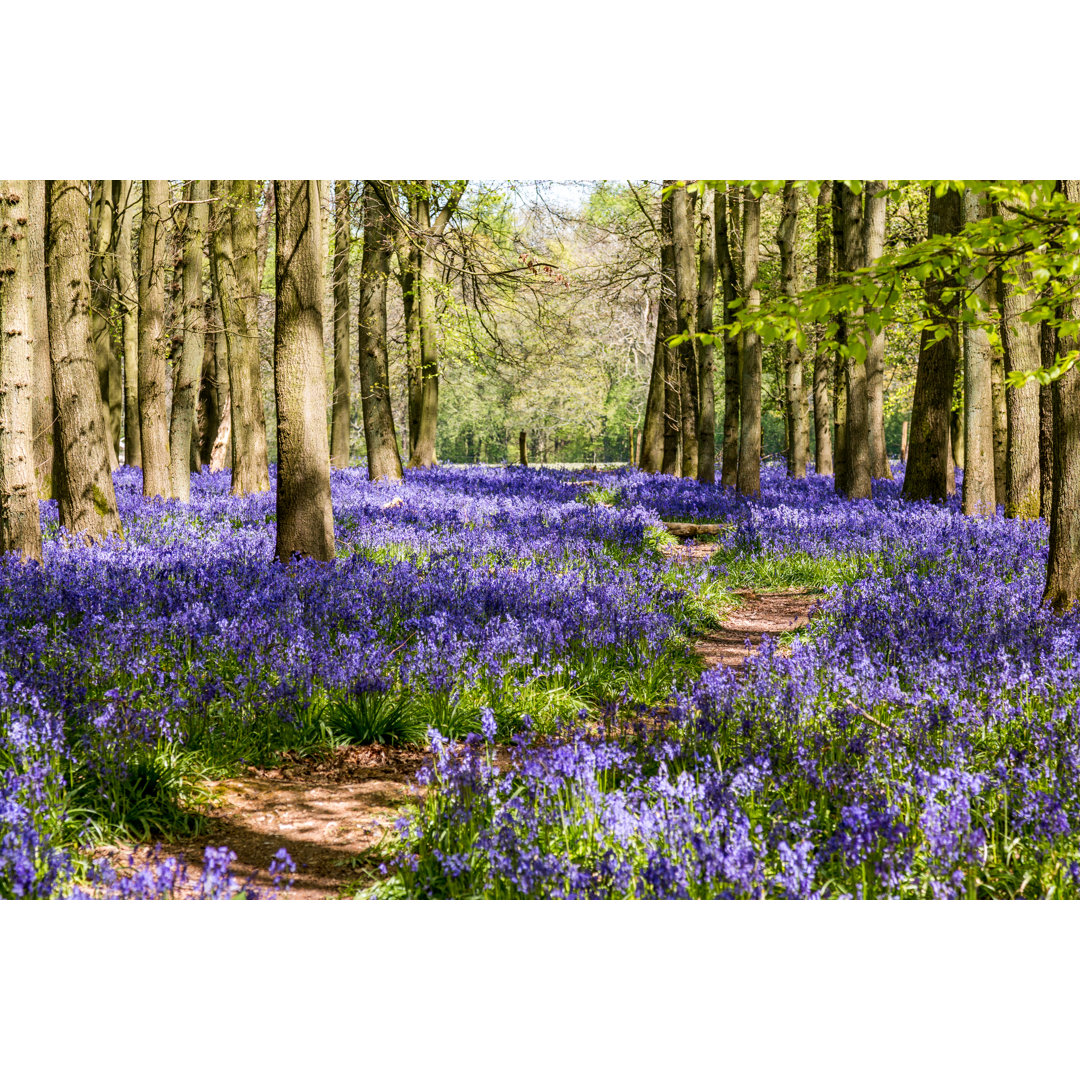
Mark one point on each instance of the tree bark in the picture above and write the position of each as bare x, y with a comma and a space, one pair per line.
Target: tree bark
929, 451
854, 478
978, 497
189, 374
87, 501
235, 267
262, 231
102, 213
153, 343
1048, 352
20, 518
874, 220
682, 231
305, 517
842, 480
128, 198
706, 299
342, 407
384, 461
46, 463
665, 329
1020, 343
787, 237
729, 462
750, 354
1000, 422
823, 454
653, 429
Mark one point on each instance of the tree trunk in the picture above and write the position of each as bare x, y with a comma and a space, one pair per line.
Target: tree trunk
20, 518
305, 517
235, 267
128, 199
153, 418
188, 378
102, 212
87, 501
651, 458
873, 247
1000, 422
665, 329
929, 451
1048, 352
46, 462
342, 408
842, 465
262, 230
856, 474
750, 354
384, 461
1020, 343
798, 426
682, 231
978, 495
729, 462
706, 299
823, 454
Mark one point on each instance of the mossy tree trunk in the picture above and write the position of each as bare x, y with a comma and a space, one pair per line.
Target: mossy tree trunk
874, 221
86, 498
1048, 353
342, 403
706, 300
20, 519
305, 517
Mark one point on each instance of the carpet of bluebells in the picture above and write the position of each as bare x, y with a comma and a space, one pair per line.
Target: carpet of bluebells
920, 739
127, 666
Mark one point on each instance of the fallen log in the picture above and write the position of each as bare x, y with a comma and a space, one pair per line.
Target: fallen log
694, 528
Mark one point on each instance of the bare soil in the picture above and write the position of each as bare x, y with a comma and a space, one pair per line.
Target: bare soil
761, 615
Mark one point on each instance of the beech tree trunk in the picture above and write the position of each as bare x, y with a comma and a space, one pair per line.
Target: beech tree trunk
857, 441
729, 462
384, 462
87, 501
1000, 422
750, 354
706, 299
651, 458
929, 450
305, 517
979, 495
189, 375
101, 278
798, 425
665, 329
153, 342
341, 415
128, 199
20, 519
235, 267
874, 219
46, 462
823, 453
1048, 352
262, 231
682, 222
841, 463
1020, 344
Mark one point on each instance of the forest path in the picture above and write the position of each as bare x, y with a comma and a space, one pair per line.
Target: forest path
759, 616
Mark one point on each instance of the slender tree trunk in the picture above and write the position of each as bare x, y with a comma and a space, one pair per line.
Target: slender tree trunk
1048, 351
873, 247
1020, 343
665, 329
787, 237
682, 222
1000, 421
46, 463
339, 437
706, 299
841, 462
858, 410
101, 277
153, 343
411, 315
729, 462
384, 462
651, 457
235, 267
185, 394
978, 495
128, 199
305, 517
929, 451
823, 455
20, 519
87, 501
750, 354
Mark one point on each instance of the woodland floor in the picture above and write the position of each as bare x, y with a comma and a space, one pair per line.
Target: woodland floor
332, 811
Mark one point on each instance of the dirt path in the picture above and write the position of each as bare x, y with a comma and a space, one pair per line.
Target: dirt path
761, 615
